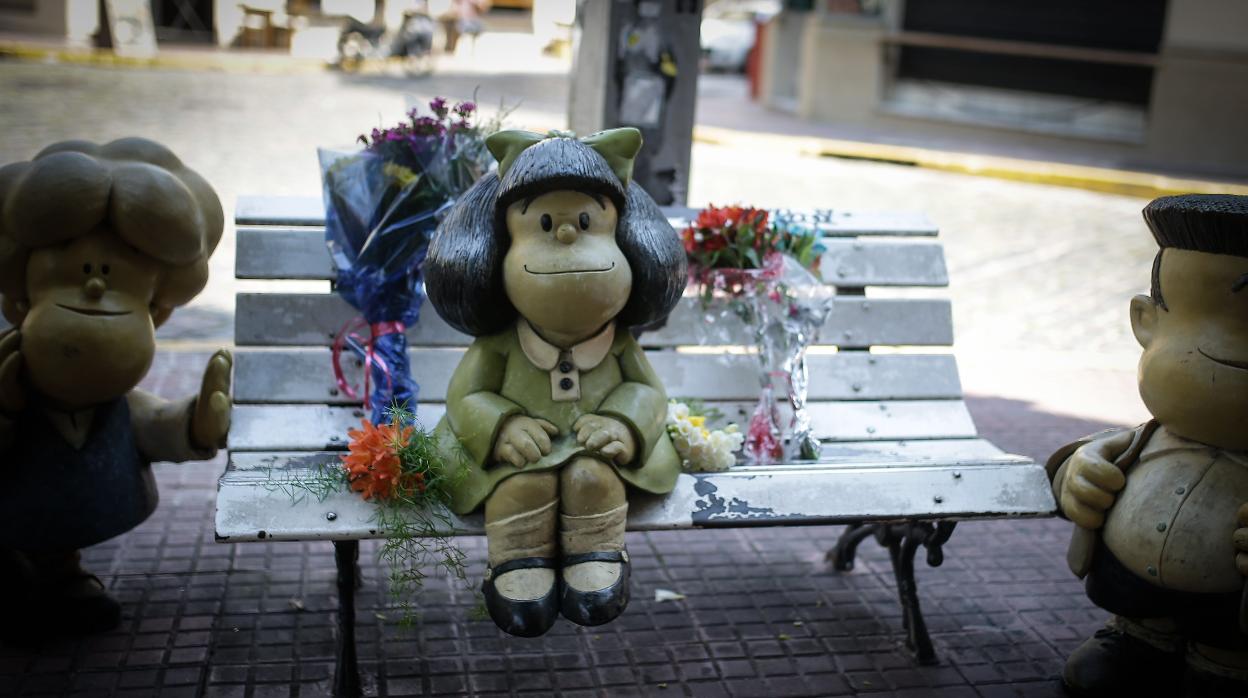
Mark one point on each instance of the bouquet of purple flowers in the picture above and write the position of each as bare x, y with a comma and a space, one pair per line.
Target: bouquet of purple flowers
382, 206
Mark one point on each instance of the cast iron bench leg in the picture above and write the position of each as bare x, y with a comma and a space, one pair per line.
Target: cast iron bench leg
347, 670
903, 541
842, 556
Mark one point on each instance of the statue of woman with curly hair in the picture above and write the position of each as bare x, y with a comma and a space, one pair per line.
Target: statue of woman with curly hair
98, 245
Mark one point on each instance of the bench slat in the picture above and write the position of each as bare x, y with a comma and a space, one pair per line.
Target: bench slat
299, 253
843, 454
305, 375
843, 223
317, 427
279, 210
282, 253
310, 211
312, 319
253, 505
919, 451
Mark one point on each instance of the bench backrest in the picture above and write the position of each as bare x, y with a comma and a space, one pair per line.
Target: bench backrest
889, 378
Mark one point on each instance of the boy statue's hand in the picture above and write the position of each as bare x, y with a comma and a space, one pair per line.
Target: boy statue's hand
210, 423
610, 437
1092, 480
523, 440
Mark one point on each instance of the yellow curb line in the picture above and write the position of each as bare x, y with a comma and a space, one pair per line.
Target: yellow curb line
228, 63
1125, 182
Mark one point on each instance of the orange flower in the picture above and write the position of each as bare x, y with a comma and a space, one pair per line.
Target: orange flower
373, 465
712, 217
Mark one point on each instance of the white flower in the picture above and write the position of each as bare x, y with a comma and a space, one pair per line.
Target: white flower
677, 411
721, 441
702, 449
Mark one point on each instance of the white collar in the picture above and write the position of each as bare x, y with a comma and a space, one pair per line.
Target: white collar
545, 355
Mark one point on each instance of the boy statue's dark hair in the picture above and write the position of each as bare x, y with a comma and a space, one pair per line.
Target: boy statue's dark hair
1213, 223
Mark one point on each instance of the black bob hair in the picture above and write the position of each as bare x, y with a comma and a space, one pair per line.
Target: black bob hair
559, 163
1213, 223
464, 268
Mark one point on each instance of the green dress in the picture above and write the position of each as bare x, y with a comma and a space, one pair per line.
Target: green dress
497, 379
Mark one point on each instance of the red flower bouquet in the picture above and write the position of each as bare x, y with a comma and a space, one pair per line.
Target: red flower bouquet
739, 237
751, 270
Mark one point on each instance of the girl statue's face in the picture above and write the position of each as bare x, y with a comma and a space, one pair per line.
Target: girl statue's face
564, 272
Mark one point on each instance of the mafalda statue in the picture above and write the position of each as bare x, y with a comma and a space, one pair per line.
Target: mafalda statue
98, 245
1162, 510
548, 263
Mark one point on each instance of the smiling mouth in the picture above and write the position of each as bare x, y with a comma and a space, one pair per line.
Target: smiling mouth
93, 311
1241, 365
570, 271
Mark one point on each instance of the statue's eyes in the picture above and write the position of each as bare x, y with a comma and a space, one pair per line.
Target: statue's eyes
104, 269
584, 221
86, 269
547, 222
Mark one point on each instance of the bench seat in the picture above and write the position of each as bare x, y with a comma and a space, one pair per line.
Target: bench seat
900, 456
881, 481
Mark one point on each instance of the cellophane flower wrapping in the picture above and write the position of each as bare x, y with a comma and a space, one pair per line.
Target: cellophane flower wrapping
382, 206
770, 289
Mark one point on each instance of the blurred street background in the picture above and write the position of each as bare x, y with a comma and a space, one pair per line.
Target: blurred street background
1040, 219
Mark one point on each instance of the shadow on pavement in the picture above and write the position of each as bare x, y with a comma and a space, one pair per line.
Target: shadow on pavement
1016, 426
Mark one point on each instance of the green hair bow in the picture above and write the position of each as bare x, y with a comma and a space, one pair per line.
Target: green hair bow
619, 146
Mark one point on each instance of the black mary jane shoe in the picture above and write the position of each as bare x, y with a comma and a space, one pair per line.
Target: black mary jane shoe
600, 606
523, 618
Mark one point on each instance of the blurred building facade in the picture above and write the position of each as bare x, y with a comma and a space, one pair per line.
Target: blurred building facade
248, 23
1152, 84
77, 21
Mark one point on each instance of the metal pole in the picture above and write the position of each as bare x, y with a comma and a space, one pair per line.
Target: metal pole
347, 670
635, 63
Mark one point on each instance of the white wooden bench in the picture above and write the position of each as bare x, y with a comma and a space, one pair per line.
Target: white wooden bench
900, 455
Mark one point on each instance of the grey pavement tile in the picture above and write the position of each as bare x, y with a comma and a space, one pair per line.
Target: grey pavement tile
707, 689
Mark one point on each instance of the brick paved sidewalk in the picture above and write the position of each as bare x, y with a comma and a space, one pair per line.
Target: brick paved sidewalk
764, 614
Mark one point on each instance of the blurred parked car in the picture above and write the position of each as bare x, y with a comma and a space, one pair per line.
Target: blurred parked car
728, 30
